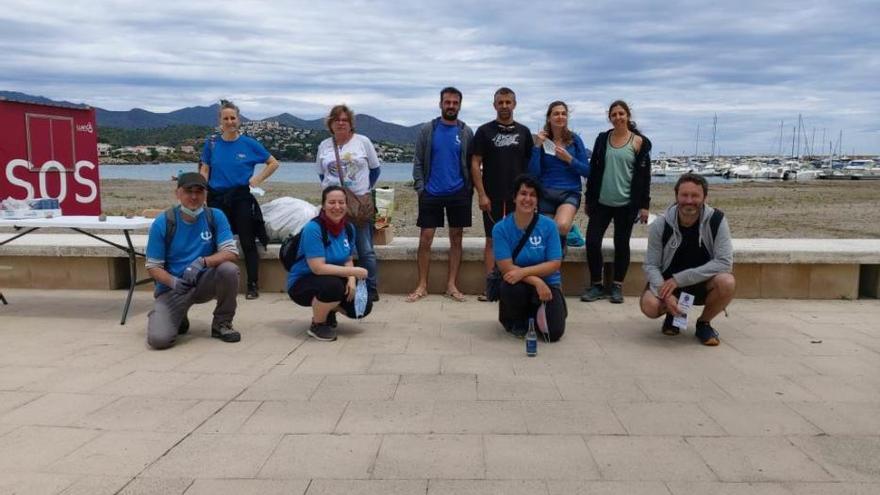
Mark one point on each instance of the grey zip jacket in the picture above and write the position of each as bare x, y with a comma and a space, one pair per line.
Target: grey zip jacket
422, 157
658, 258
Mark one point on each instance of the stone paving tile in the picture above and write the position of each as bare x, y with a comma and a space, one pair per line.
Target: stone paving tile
437, 387
215, 456
230, 418
34, 483
665, 418
678, 389
376, 345
841, 418
248, 487
454, 346
356, 387
486, 487
368, 487
334, 365
834, 488
757, 389
220, 363
404, 364
55, 409
750, 459
839, 389
600, 388
116, 454
9, 401
758, 418
154, 383
157, 486
322, 456
430, 456
478, 417
25, 449
847, 458
96, 485
494, 387
727, 489
15, 377
582, 487
139, 414
386, 417
213, 387
834, 366
478, 365
294, 417
282, 386
571, 417
68, 380
648, 459
538, 457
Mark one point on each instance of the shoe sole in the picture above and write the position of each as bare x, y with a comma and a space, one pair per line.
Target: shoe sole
229, 340
592, 299
616, 301
322, 339
670, 332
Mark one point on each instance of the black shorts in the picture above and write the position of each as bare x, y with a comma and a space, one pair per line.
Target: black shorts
552, 199
499, 210
699, 291
458, 210
326, 288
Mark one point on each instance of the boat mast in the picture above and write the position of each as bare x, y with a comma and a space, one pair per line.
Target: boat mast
714, 130
697, 143
781, 123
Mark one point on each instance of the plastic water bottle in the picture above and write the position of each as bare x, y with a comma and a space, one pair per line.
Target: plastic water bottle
531, 340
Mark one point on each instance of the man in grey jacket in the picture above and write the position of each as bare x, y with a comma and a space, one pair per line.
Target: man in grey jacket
442, 179
689, 251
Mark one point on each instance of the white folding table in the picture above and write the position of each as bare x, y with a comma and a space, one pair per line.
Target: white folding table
83, 224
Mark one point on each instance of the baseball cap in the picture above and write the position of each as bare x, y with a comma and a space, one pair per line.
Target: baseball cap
190, 179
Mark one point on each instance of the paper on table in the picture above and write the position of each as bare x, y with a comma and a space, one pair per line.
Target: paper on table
685, 302
549, 147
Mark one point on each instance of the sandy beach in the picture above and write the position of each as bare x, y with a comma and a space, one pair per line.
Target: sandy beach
817, 209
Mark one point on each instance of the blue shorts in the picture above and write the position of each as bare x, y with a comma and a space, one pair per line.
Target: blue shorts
552, 199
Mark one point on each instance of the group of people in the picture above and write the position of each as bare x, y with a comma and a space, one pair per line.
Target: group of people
528, 189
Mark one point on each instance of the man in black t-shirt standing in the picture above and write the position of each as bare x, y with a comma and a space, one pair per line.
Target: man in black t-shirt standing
501, 151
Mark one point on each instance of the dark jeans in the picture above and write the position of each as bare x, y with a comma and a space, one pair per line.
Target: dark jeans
519, 302
239, 210
600, 218
327, 289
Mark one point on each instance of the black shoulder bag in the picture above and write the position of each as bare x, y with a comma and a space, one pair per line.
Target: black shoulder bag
493, 281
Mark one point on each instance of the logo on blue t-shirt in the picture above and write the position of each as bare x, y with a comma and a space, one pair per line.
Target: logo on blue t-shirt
206, 235
535, 240
345, 242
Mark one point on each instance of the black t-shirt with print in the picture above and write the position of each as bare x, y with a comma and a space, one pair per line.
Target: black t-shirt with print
506, 150
690, 254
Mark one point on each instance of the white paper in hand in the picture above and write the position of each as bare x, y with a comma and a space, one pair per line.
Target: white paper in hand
685, 302
541, 320
549, 147
258, 191
360, 298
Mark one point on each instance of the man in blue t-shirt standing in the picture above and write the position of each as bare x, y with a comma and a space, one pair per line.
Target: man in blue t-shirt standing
442, 179
192, 259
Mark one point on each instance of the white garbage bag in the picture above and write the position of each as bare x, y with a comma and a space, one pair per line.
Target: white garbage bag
384, 206
286, 216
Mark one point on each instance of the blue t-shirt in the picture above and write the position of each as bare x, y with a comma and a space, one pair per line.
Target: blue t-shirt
543, 245
555, 173
312, 246
191, 240
445, 176
232, 162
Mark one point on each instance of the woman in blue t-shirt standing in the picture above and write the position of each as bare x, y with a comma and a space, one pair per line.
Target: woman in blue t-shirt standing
560, 172
531, 277
324, 274
228, 162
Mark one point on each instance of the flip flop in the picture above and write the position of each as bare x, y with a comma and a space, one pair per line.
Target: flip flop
456, 296
415, 296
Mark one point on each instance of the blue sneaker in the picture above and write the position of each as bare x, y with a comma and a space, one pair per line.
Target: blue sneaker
594, 293
707, 334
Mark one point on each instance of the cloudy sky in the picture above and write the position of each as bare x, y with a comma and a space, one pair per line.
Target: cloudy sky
754, 63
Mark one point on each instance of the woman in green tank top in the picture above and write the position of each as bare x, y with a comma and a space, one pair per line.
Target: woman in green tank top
618, 190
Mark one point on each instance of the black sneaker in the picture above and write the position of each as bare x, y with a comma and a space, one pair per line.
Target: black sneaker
225, 332
331, 319
616, 293
517, 331
668, 328
594, 293
374, 295
184, 325
252, 292
322, 332
707, 334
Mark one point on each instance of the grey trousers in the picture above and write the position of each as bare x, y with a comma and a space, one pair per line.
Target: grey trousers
169, 309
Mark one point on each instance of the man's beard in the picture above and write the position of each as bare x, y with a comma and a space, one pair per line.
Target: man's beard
450, 114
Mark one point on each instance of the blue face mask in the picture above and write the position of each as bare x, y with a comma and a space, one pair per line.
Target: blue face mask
193, 213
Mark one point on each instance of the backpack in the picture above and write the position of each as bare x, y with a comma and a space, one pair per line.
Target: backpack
288, 253
171, 226
714, 223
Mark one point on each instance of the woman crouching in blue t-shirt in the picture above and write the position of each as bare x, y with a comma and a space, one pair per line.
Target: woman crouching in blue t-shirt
324, 275
532, 276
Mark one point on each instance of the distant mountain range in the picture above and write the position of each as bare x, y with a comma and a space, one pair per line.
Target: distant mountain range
138, 118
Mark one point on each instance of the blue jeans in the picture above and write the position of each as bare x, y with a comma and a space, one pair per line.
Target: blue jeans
366, 254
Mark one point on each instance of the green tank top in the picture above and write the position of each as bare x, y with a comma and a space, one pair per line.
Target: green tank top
617, 178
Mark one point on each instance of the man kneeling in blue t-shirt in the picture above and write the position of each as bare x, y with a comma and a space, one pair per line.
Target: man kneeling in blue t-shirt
191, 255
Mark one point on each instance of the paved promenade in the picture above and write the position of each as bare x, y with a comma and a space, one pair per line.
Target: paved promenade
433, 398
